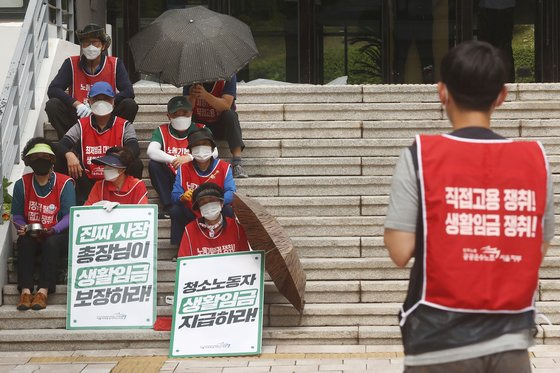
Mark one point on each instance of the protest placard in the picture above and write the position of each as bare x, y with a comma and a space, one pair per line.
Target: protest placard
112, 267
218, 305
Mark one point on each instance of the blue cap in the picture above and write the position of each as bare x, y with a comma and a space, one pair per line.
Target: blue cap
101, 88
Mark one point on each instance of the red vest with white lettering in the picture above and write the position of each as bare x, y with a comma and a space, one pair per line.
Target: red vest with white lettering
483, 204
196, 241
173, 145
45, 209
191, 179
95, 144
82, 81
203, 111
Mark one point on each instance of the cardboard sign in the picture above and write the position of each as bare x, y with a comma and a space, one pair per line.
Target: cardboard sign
218, 305
112, 267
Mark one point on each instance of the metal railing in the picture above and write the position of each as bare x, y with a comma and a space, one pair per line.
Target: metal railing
18, 93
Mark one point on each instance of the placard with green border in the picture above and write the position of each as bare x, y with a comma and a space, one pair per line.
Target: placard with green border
218, 305
112, 267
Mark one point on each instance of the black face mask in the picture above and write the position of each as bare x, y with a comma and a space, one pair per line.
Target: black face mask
41, 166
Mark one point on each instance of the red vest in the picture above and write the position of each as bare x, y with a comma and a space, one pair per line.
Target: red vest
195, 241
43, 210
172, 145
95, 144
191, 179
483, 206
202, 110
82, 81
133, 196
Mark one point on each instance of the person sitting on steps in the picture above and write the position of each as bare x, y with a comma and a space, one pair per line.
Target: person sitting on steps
203, 168
42, 197
78, 73
91, 137
168, 149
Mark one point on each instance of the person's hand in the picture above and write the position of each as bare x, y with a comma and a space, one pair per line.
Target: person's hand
187, 196
109, 206
74, 167
82, 110
178, 161
198, 91
21, 230
48, 232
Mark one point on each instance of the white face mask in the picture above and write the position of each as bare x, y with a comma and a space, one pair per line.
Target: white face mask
181, 123
211, 210
202, 153
91, 52
101, 108
110, 173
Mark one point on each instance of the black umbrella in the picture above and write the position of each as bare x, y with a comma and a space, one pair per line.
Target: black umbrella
193, 45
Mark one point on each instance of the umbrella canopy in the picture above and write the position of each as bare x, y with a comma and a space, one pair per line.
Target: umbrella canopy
193, 45
282, 262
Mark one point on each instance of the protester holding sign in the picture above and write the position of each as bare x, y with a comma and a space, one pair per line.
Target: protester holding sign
40, 212
117, 186
168, 149
204, 168
213, 233
92, 136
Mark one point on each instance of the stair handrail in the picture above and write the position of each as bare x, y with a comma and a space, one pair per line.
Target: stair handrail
18, 94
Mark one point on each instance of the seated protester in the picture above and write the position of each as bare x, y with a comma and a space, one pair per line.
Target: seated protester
214, 106
117, 186
43, 197
192, 174
168, 149
78, 73
213, 233
91, 137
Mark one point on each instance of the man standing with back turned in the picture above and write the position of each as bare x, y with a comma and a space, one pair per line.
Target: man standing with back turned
475, 210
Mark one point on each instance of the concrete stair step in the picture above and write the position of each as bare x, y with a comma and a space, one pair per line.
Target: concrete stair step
151, 93
60, 339
359, 269
316, 292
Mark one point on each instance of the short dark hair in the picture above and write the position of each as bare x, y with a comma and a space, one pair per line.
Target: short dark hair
124, 154
34, 141
474, 73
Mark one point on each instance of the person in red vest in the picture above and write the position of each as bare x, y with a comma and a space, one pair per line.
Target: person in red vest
475, 211
117, 186
213, 232
214, 105
91, 137
43, 197
203, 168
168, 149
78, 73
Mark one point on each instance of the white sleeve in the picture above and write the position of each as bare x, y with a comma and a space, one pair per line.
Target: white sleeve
156, 154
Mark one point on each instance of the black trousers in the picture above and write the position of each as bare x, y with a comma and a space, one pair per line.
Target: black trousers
62, 116
419, 31
162, 180
227, 127
504, 362
51, 250
495, 26
181, 216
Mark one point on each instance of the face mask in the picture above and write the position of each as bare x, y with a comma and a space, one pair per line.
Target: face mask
211, 210
202, 153
101, 108
91, 52
110, 173
41, 166
181, 123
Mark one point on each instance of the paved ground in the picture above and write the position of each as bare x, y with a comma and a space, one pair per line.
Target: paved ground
354, 359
